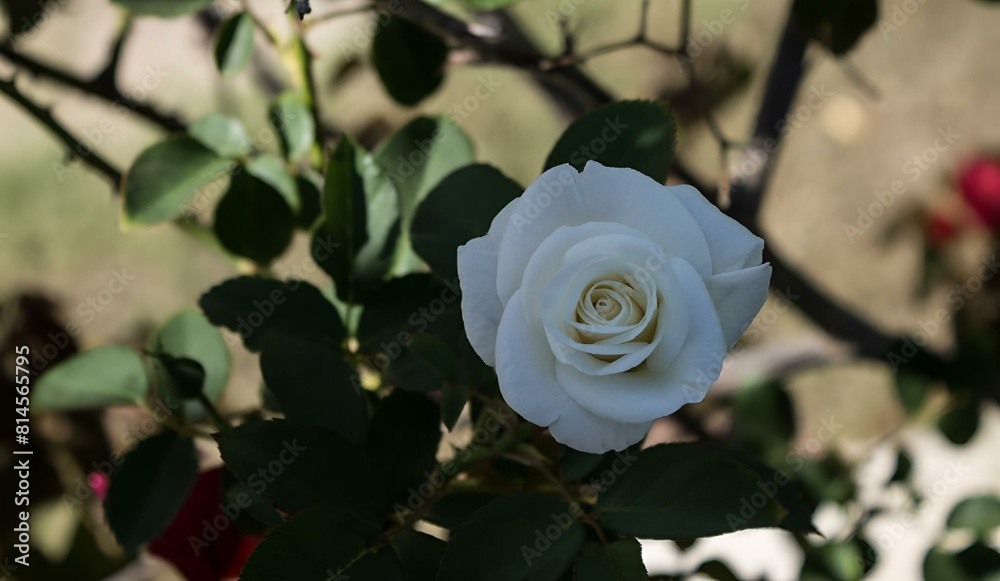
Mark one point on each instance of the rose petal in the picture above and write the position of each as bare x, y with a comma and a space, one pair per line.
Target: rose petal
628, 197
647, 393
581, 430
550, 202
732, 246
526, 368
477, 275
550, 256
526, 372
559, 304
738, 296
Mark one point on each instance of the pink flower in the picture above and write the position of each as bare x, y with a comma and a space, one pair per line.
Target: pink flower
979, 182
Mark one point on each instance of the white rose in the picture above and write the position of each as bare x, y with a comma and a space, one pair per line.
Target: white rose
606, 300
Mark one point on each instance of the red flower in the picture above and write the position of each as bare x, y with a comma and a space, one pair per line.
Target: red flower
939, 228
201, 541
979, 182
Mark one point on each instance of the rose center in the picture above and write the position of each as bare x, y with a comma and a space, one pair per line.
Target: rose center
613, 302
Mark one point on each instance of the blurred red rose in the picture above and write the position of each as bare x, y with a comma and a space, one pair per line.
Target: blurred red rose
939, 229
200, 556
979, 182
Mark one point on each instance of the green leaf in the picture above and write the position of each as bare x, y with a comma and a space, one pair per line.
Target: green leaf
848, 560
298, 465
186, 375
291, 116
355, 245
260, 308
764, 417
320, 544
839, 24
437, 354
253, 220
415, 159
421, 154
961, 422
453, 400
777, 484
523, 536
405, 433
272, 171
312, 383
717, 570
104, 376
716, 495
978, 562
163, 8
460, 208
310, 189
222, 134
912, 388
634, 134
619, 561
258, 516
419, 553
149, 488
235, 44
825, 479
166, 177
401, 308
189, 334
456, 508
981, 514
409, 59
576, 465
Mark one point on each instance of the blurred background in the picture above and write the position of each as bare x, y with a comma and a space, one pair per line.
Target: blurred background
885, 198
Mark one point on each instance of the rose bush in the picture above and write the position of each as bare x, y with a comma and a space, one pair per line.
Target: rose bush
606, 300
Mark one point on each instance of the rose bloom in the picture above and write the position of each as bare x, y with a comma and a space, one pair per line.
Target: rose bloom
979, 183
606, 300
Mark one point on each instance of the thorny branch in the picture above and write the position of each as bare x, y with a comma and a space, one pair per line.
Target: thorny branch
502, 41
103, 86
510, 46
45, 117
